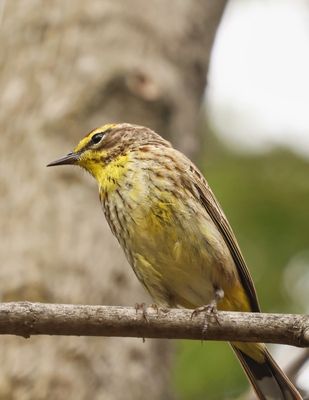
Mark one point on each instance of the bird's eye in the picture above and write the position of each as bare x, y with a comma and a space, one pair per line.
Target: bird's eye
97, 138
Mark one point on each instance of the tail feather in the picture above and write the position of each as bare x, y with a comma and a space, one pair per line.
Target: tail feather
268, 380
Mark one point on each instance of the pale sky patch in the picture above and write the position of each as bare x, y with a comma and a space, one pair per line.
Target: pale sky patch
258, 94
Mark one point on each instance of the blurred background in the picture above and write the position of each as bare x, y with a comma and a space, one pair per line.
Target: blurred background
227, 82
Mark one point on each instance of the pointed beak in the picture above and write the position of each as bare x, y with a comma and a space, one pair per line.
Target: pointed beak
71, 158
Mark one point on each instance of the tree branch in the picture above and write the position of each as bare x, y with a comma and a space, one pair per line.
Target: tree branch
26, 319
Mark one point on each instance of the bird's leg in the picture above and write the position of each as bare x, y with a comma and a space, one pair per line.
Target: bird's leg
210, 309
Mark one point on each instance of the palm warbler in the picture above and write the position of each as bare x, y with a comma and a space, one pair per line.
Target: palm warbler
175, 234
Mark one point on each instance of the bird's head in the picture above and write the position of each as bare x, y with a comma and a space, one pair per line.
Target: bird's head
109, 145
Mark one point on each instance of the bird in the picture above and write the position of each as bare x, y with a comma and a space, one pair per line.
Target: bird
175, 234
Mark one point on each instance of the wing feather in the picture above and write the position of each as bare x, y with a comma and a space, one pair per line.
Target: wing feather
213, 208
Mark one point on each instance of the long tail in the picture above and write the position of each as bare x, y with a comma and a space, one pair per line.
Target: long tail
268, 380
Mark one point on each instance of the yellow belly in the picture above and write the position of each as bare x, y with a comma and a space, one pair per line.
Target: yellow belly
182, 259
173, 245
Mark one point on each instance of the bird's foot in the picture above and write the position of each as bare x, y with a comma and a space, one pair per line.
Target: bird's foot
210, 310
142, 307
155, 307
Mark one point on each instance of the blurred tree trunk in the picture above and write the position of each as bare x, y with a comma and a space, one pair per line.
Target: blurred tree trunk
67, 67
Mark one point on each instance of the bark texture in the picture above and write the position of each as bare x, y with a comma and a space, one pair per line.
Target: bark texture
65, 68
26, 319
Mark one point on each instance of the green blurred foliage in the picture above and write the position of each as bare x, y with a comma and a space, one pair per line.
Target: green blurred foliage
266, 199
